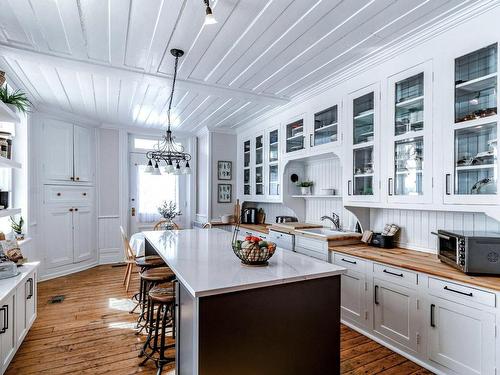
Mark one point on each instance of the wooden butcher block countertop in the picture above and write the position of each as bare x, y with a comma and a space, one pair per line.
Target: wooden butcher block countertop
417, 261
262, 228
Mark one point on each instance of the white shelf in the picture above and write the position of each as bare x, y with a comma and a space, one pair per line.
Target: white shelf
473, 167
10, 212
364, 175
409, 101
363, 115
326, 127
7, 163
476, 80
25, 241
295, 136
409, 171
7, 115
316, 196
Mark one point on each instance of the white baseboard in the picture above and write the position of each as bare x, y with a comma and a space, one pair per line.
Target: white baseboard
394, 348
110, 257
66, 271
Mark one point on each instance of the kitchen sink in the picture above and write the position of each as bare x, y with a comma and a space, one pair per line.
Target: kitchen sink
326, 232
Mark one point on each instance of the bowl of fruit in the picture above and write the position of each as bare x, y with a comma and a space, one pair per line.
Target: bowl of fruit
252, 250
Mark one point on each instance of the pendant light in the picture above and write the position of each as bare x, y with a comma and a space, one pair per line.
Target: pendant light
167, 150
209, 17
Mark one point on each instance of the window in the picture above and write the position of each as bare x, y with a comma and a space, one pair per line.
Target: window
145, 144
152, 191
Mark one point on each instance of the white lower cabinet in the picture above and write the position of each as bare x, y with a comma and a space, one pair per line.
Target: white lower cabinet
17, 311
461, 338
395, 313
449, 327
311, 247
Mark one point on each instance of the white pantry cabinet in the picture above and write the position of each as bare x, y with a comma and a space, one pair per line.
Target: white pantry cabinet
18, 296
67, 153
448, 327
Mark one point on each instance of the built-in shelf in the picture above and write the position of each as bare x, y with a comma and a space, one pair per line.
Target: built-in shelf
408, 102
473, 167
6, 114
363, 175
25, 241
409, 171
10, 212
326, 127
316, 196
7, 163
363, 115
475, 81
295, 136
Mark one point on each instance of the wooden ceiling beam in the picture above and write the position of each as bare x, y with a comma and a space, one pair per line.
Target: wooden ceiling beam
92, 67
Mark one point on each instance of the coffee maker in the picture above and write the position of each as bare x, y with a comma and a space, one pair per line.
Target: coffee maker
249, 216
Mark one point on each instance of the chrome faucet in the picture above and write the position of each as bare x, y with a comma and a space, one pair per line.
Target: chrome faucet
335, 219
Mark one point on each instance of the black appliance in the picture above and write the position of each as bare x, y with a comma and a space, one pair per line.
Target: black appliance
286, 219
475, 253
382, 241
4, 199
249, 216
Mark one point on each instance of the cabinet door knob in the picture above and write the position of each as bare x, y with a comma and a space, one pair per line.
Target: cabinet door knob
72, 178
76, 209
84, 194
71, 210
58, 194
78, 178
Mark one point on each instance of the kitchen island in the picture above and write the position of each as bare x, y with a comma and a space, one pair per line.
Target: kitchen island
283, 318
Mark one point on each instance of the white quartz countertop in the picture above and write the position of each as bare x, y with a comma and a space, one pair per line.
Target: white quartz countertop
8, 285
205, 264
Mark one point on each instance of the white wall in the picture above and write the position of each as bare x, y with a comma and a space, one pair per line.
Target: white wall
203, 177
439, 47
223, 148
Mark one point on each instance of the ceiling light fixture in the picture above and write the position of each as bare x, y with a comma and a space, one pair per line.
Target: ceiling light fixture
167, 150
209, 17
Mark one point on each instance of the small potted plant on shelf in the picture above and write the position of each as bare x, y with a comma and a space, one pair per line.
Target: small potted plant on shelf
16, 101
168, 210
305, 187
17, 227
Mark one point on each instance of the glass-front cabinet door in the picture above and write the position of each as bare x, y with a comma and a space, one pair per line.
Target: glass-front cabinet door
273, 190
410, 101
361, 138
294, 136
259, 165
325, 127
474, 178
247, 168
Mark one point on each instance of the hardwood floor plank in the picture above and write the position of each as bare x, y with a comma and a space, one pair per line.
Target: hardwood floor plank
92, 332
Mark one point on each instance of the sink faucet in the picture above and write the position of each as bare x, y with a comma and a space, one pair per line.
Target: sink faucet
335, 219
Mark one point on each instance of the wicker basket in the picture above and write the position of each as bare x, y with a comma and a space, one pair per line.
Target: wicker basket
2, 78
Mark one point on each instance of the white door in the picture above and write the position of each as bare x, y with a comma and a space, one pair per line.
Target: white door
461, 338
353, 298
58, 235
147, 192
58, 151
395, 313
83, 224
83, 154
7, 330
22, 294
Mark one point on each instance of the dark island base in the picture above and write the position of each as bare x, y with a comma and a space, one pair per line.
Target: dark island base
278, 330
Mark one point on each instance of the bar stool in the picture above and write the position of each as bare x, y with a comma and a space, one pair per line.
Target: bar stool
145, 263
150, 278
161, 297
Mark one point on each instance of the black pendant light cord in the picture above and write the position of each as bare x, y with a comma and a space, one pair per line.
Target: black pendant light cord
172, 92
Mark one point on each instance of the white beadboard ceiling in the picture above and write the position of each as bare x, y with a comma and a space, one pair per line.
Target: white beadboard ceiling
108, 60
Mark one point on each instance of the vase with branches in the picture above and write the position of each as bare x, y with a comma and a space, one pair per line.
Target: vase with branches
168, 210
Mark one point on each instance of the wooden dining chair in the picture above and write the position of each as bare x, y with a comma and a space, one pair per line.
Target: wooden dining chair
130, 259
160, 224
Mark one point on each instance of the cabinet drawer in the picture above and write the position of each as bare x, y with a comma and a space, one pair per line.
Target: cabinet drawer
461, 293
68, 194
311, 244
348, 262
395, 274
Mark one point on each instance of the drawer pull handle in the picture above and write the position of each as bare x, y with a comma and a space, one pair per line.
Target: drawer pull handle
394, 274
30, 294
459, 292
433, 324
376, 295
5, 319
349, 261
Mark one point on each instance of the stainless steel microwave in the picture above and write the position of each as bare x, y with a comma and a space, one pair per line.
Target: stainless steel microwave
475, 253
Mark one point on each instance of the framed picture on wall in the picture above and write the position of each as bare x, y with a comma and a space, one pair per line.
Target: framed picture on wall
224, 193
224, 170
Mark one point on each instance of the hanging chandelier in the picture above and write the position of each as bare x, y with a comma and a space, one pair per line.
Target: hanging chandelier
168, 151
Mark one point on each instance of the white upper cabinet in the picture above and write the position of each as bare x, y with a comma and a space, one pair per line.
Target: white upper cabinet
325, 131
247, 168
273, 166
471, 171
82, 154
362, 167
408, 157
295, 136
259, 181
68, 153
58, 151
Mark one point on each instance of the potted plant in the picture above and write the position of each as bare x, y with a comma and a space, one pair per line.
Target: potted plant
17, 227
17, 100
305, 187
168, 210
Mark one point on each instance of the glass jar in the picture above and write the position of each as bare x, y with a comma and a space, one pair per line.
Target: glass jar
6, 145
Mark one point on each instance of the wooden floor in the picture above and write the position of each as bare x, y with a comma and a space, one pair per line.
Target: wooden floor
91, 332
